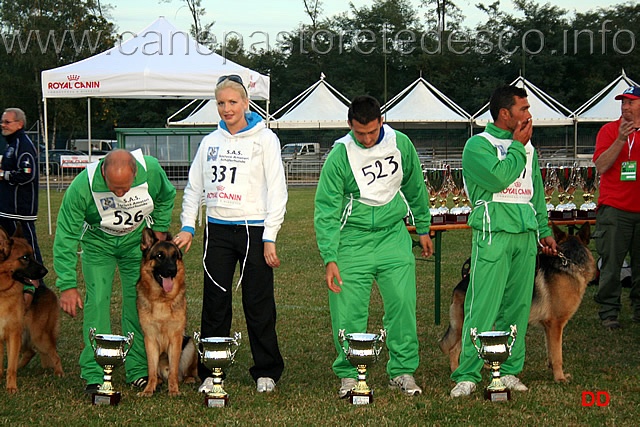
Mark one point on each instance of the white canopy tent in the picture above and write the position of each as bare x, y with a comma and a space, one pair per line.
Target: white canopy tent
603, 107
422, 105
320, 106
546, 111
158, 62
204, 113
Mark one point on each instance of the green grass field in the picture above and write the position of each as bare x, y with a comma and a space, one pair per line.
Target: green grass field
307, 393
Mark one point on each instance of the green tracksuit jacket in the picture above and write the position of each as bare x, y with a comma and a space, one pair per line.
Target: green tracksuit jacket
101, 254
373, 245
504, 246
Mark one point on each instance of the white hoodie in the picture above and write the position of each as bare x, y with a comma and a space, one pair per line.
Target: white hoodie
264, 200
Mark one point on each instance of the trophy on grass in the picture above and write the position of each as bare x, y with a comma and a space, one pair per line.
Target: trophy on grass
458, 214
435, 179
494, 350
362, 349
217, 353
109, 351
588, 181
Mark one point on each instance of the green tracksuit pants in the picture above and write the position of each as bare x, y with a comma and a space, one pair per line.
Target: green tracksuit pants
386, 257
499, 295
101, 254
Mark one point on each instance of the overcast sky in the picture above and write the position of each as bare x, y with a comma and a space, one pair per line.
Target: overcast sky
273, 16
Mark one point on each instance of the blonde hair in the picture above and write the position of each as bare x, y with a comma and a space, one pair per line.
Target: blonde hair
230, 84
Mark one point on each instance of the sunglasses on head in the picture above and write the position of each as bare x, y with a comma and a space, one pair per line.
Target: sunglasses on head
234, 78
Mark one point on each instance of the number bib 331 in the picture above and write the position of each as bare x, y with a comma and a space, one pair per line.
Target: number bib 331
122, 215
227, 172
377, 170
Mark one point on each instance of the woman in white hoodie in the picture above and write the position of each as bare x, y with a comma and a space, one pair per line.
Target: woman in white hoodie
238, 172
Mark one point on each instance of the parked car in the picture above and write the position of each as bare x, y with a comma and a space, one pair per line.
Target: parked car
54, 160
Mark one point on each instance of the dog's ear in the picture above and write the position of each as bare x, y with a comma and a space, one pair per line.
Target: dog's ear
584, 234
148, 239
5, 244
18, 232
558, 234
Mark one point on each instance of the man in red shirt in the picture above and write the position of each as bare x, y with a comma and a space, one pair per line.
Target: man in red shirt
616, 157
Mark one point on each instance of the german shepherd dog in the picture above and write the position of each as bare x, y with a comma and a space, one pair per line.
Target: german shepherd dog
560, 283
33, 329
162, 308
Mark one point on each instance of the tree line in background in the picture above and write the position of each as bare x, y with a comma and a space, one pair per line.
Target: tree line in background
377, 49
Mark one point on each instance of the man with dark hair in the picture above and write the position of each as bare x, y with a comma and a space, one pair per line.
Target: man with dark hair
618, 219
19, 180
501, 173
371, 180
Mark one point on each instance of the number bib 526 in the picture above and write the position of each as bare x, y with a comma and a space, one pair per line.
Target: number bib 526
377, 170
122, 215
227, 173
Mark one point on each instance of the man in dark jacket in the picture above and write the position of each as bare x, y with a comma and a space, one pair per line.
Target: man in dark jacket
19, 182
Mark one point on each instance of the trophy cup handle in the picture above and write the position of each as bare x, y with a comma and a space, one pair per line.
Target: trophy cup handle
381, 338
92, 338
196, 340
474, 334
128, 343
236, 341
341, 338
514, 332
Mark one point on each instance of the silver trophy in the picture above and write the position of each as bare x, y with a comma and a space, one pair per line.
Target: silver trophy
435, 179
566, 209
588, 182
550, 183
494, 350
362, 349
217, 353
109, 351
459, 213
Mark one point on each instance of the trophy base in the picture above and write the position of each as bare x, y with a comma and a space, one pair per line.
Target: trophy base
497, 395
361, 398
456, 218
561, 215
216, 401
586, 214
437, 219
106, 399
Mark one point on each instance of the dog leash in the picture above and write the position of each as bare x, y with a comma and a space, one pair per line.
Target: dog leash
565, 260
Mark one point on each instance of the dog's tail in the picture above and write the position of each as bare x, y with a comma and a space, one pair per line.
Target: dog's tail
451, 343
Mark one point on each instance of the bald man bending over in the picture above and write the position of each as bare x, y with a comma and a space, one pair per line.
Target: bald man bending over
104, 211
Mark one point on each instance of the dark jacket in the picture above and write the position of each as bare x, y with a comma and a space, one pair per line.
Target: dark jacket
20, 180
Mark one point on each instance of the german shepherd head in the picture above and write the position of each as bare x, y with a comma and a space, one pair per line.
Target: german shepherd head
16, 255
162, 257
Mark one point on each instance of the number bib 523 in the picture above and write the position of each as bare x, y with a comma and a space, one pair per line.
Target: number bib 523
377, 170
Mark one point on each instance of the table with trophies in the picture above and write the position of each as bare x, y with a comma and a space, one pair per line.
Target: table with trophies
446, 181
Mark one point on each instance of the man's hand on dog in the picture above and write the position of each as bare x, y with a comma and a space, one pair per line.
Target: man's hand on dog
70, 299
549, 246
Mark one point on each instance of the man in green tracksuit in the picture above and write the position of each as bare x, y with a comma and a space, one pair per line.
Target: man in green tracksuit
370, 182
104, 210
502, 177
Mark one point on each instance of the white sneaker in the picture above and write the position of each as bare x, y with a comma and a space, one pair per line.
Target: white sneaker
513, 383
206, 386
265, 384
346, 385
463, 388
407, 384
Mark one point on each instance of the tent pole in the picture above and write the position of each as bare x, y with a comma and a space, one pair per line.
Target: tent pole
89, 142
46, 156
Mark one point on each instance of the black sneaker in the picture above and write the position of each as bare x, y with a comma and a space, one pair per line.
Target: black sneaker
140, 383
91, 388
